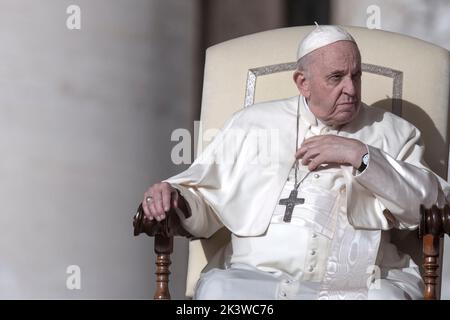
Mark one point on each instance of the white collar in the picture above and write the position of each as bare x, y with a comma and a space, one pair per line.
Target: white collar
306, 114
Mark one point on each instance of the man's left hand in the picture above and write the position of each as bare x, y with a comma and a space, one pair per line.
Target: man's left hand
331, 149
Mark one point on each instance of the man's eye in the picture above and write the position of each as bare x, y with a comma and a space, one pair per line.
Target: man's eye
335, 77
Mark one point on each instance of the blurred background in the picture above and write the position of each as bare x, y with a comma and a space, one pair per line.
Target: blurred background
86, 117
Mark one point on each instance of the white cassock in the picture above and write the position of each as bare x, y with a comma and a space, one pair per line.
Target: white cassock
335, 246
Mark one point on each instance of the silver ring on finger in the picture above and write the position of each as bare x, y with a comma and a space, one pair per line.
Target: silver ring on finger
148, 199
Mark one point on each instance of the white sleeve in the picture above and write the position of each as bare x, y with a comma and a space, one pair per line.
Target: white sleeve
203, 221
399, 185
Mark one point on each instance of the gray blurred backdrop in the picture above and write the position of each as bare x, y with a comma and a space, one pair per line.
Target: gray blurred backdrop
86, 117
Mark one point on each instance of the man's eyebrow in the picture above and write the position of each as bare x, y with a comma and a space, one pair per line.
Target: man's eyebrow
335, 72
341, 72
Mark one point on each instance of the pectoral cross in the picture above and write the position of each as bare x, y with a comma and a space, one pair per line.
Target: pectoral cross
290, 203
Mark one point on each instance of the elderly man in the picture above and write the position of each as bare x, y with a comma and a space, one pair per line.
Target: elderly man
315, 226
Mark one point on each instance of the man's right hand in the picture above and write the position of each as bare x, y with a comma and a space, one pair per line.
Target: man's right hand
158, 200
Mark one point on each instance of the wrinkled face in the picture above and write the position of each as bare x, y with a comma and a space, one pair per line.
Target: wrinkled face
331, 83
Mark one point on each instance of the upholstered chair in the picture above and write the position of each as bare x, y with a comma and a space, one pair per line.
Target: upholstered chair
404, 75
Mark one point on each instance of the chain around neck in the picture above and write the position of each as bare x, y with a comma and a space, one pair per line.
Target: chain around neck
296, 183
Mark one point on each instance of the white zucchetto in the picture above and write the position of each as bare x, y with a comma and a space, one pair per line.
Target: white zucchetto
320, 37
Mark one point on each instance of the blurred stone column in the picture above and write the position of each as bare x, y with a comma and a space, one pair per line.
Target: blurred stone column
228, 19
85, 123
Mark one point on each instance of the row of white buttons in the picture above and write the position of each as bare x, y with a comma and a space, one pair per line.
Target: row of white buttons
313, 252
285, 282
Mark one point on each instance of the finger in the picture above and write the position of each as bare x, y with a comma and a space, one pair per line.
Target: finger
166, 194
153, 209
312, 165
154, 212
146, 209
157, 201
311, 145
309, 155
304, 149
317, 162
159, 218
145, 206
301, 152
307, 160
325, 142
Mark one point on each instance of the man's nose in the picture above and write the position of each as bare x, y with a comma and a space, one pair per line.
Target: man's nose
349, 86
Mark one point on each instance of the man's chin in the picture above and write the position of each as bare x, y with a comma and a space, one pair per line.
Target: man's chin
345, 117
347, 113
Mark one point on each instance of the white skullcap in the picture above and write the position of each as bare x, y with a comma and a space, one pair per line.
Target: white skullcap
320, 37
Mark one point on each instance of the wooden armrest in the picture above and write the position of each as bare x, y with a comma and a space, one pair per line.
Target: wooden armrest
163, 231
434, 224
169, 227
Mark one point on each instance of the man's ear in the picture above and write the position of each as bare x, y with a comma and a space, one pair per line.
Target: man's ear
302, 83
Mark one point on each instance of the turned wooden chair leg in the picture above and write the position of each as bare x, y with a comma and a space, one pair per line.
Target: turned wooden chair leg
163, 232
431, 265
434, 224
163, 250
